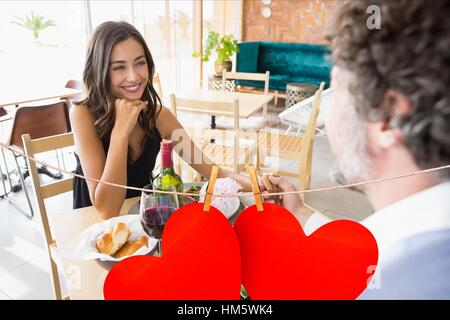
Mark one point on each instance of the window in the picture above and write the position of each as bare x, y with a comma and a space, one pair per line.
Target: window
170, 27
55, 55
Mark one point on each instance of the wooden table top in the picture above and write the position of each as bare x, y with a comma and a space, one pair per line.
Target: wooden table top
84, 278
31, 94
249, 103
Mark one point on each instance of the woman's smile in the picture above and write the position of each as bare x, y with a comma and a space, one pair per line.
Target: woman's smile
132, 88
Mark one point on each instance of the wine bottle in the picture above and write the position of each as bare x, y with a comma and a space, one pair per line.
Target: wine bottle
167, 176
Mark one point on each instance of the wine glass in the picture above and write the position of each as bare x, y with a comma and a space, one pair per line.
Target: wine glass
155, 210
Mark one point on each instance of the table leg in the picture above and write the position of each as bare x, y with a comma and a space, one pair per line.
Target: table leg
3, 178
213, 126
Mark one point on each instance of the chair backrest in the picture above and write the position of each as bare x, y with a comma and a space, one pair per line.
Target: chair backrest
206, 107
306, 151
42, 192
298, 114
157, 85
247, 76
39, 121
73, 84
211, 108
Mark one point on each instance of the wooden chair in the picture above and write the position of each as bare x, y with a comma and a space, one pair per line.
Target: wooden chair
249, 76
220, 152
38, 121
157, 84
42, 192
158, 87
298, 115
4, 117
73, 84
294, 147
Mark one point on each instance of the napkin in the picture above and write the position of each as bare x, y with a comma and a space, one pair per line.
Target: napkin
224, 186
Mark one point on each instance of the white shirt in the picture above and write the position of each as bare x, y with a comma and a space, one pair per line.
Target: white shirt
428, 210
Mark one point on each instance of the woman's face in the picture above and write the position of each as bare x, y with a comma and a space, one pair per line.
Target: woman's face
128, 70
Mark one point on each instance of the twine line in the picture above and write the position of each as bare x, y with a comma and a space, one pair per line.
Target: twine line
20, 153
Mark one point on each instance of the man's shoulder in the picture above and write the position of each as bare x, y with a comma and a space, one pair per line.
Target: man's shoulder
417, 267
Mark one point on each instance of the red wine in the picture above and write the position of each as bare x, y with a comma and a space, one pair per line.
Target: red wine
154, 219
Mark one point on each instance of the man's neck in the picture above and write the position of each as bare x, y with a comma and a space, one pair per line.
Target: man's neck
385, 193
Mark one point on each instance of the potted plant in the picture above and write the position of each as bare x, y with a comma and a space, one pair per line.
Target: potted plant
224, 47
35, 23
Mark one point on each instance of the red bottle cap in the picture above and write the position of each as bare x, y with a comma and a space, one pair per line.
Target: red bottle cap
166, 153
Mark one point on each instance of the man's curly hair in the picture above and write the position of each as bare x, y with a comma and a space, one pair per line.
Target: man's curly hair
410, 53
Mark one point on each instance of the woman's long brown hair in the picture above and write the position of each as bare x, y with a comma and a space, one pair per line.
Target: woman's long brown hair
96, 79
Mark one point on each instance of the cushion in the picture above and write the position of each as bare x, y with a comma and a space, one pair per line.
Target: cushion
276, 82
284, 81
294, 59
246, 58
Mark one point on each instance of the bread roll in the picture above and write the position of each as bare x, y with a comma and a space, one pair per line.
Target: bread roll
106, 245
131, 247
112, 240
120, 234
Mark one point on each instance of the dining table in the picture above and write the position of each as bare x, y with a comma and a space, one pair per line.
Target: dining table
85, 279
249, 103
30, 94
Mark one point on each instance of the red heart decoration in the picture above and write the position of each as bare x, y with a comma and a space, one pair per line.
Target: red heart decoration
280, 262
201, 260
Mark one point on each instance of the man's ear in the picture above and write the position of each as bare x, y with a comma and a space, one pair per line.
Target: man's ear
386, 132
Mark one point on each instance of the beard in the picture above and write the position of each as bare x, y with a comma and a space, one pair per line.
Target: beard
352, 161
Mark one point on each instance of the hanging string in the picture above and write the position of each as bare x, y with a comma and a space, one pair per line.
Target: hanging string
351, 185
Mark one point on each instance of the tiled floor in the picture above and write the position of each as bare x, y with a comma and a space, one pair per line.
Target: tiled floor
24, 270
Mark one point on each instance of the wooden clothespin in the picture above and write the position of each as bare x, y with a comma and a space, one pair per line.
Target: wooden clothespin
210, 189
255, 188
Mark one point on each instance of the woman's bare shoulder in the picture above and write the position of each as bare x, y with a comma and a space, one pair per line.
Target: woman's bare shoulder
166, 121
80, 112
162, 114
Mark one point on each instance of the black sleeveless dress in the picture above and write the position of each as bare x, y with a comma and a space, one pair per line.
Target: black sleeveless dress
139, 173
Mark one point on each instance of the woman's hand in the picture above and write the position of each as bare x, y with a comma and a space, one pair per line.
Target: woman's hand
292, 202
127, 113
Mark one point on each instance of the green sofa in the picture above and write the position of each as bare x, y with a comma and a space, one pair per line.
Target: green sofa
287, 62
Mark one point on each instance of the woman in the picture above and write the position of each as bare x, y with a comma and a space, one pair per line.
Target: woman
118, 127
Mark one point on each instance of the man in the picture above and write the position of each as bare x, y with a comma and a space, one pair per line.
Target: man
416, 268
390, 115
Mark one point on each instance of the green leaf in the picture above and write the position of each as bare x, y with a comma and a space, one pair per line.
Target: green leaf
224, 47
35, 23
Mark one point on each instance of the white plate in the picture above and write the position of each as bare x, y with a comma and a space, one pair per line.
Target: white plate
84, 246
